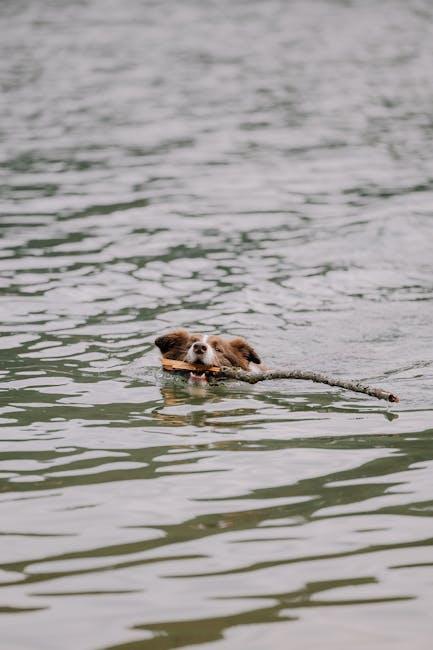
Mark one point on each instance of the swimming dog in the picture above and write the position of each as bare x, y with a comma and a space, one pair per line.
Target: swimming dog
208, 350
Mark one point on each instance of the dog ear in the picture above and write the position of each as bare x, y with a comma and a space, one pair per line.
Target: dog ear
245, 349
171, 340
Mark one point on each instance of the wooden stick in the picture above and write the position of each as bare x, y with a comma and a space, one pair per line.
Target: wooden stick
356, 386
184, 366
253, 378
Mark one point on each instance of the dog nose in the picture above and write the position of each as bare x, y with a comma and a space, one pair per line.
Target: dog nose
199, 348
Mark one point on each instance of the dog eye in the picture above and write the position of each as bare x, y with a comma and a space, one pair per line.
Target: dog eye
217, 349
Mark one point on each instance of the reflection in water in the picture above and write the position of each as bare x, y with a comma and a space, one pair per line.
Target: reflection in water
260, 169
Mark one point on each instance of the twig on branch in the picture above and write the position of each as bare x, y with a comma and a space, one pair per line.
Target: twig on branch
254, 378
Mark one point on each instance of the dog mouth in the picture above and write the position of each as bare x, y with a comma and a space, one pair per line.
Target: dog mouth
200, 361
197, 379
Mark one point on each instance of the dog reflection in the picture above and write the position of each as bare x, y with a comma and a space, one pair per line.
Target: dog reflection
178, 395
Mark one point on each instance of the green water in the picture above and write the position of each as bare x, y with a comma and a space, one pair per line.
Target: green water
255, 169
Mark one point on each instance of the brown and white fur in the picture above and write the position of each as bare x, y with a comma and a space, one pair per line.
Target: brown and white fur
209, 350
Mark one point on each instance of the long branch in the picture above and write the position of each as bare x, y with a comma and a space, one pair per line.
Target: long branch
356, 386
173, 365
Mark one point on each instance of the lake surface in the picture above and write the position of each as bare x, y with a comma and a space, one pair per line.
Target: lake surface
262, 169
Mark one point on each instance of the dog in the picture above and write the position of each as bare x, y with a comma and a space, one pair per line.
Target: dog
209, 350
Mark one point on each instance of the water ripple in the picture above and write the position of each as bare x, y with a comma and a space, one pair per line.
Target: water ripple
257, 169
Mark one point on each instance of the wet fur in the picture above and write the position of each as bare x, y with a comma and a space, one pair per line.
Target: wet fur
236, 352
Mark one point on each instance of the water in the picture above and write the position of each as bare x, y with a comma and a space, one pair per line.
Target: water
254, 168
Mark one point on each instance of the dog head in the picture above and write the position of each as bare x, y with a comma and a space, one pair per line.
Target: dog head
207, 350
